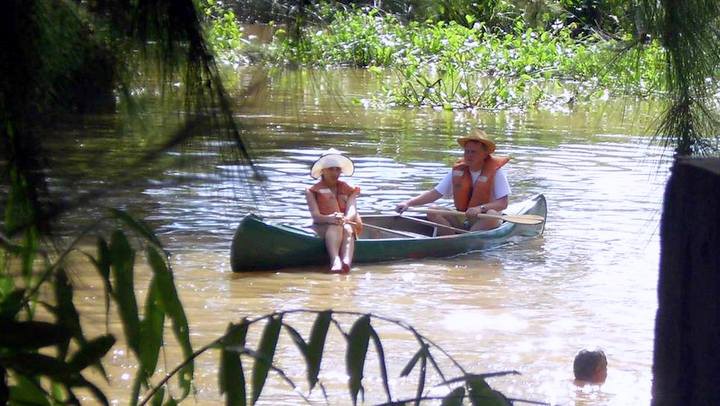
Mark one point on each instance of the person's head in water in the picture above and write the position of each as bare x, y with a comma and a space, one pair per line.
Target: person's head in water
590, 366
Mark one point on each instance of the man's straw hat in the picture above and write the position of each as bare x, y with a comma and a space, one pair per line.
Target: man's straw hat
332, 158
479, 136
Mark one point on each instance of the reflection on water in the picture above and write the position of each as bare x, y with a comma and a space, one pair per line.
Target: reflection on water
589, 282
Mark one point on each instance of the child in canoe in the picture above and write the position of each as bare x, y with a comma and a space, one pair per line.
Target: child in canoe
332, 207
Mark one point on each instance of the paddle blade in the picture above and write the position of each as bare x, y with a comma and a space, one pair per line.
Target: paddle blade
528, 219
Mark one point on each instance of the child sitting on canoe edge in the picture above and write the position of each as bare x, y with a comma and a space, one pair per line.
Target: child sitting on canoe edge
332, 205
590, 367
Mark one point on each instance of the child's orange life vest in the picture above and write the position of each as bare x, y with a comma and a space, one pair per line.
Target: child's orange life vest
329, 203
465, 194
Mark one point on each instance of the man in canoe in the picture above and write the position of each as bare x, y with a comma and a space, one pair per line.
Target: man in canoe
477, 184
332, 207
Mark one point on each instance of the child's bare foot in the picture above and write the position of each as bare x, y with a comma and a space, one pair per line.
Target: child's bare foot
337, 266
345, 268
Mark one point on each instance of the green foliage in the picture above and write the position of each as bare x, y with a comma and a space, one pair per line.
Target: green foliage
448, 65
689, 32
233, 348
224, 33
33, 373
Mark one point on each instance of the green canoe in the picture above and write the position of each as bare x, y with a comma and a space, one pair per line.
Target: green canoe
258, 245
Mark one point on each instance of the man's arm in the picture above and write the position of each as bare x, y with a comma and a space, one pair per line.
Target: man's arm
426, 197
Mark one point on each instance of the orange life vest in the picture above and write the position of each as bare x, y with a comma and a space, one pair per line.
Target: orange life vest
328, 203
465, 194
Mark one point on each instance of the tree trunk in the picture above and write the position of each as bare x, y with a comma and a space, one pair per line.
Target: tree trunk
687, 328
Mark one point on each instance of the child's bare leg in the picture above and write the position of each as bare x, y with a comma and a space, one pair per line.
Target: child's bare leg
333, 241
347, 248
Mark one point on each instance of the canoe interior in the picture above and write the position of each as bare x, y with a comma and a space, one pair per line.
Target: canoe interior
403, 224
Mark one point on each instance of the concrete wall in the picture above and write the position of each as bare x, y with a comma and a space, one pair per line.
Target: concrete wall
687, 328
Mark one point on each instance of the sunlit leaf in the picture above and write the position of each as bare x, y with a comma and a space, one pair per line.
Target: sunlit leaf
151, 329
454, 398
232, 376
381, 360
158, 397
91, 352
122, 258
358, 340
316, 345
31, 334
266, 353
27, 392
175, 311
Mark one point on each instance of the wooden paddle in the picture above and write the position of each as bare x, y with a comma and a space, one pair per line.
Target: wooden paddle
388, 230
434, 224
528, 219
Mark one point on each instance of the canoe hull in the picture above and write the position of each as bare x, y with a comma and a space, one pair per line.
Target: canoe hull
260, 246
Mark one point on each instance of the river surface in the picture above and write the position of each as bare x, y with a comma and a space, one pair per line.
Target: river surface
589, 282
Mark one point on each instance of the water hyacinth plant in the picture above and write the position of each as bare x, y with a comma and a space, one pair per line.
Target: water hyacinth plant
450, 65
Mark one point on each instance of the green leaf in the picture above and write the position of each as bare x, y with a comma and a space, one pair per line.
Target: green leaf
411, 364
158, 397
236, 334
122, 258
151, 330
381, 360
11, 304
137, 225
481, 394
358, 340
316, 345
454, 398
175, 311
421, 378
266, 353
32, 364
27, 392
4, 390
65, 310
232, 376
103, 266
31, 334
92, 352
298, 340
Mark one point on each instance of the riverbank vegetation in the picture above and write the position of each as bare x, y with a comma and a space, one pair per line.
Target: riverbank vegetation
507, 60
